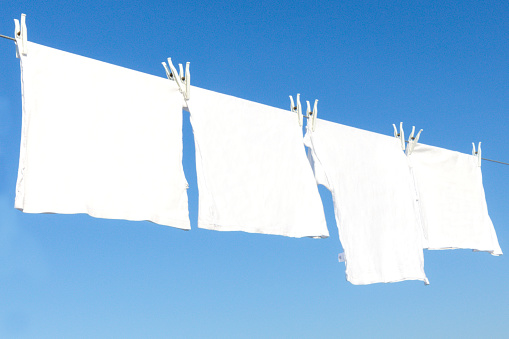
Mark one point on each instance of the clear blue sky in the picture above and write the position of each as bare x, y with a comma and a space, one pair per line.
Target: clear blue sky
439, 65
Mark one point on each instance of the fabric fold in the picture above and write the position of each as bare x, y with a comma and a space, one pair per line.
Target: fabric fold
374, 202
452, 201
99, 139
253, 175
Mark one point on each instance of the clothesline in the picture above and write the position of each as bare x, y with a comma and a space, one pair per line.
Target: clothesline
496, 161
7, 37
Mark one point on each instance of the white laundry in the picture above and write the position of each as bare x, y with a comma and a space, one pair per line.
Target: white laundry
253, 175
99, 139
374, 202
451, 199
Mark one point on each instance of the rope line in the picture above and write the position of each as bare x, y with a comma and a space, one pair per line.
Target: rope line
7, 37
498, 162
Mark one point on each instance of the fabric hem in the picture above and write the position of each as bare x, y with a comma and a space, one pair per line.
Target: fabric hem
222, 228
181, 224
494, 252
425, 280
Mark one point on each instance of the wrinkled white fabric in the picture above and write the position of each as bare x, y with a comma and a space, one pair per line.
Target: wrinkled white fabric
374, 202
253, 175
99, 139
451, 199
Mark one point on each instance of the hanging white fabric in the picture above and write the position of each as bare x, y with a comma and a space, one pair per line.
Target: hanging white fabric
451, 200
253, 175
374, 202
99, 139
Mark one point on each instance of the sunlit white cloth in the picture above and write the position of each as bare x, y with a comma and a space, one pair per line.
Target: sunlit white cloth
451, 199
99, 139
253, 175
374, 202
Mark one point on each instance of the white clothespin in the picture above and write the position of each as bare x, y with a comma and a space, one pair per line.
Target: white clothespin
412, 141
478, 153
297, 109
20, 34
312, 114
400, 135
183, 80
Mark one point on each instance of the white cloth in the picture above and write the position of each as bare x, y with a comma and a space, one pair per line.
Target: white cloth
253, 175
451, 199
374, 202
99, 139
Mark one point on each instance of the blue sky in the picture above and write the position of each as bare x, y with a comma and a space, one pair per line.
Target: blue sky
439, 65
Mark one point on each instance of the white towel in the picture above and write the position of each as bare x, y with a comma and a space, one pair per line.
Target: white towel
374, 202
253, 175
99, 139
452, 202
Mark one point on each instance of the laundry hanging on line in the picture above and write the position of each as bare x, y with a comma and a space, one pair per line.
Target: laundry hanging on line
253, 174
99, 139
89, 128
451, 201
368, 176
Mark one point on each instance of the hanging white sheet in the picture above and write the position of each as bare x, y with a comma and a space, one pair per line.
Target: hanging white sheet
253, 175
374, 202
99, 139
451, 199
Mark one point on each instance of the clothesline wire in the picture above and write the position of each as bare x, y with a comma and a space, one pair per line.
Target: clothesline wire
7, 37
498, 162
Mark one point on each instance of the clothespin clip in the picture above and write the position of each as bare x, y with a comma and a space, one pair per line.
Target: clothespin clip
478, 153
297, 109
20, 34
312, 114
183, 80
400, 135
412, 141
